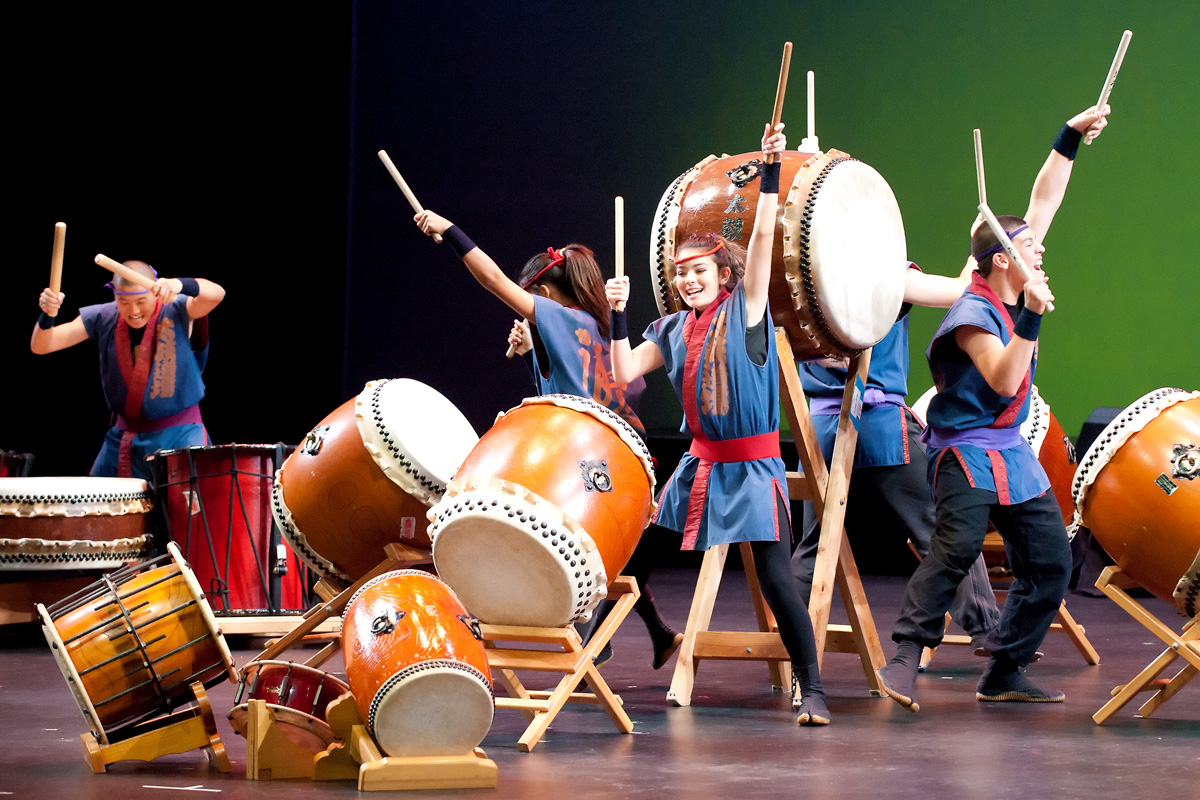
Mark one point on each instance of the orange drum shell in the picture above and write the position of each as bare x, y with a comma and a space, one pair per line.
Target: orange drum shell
1155, 538
429, 630
1057, 457
344, 506
539, 447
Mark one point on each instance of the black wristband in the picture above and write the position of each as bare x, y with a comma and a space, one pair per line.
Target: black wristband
458, 241
190, 287
1028, 325
1067, 143
45, 321
618, 326
769, 182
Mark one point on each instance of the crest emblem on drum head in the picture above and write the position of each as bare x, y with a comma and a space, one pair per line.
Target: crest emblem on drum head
595, 476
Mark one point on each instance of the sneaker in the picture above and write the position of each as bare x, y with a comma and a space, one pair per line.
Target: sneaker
662, 656
1013, 687
899, 682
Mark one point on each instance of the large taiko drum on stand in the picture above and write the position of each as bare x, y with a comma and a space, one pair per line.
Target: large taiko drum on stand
131, 644
73, 523
298, 696
837, 271
367, 475
216, 503
1137, 490
417, 666
544, 512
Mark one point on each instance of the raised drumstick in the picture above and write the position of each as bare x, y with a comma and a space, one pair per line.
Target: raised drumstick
1007, 244
399, 179
780, 91
619, 210
125, 272
1112, 72
810, 142
56, 259
979, 168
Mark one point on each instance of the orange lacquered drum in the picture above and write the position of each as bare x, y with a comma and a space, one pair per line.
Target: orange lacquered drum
298, 696
837, 271
544, 512
131, 644
1137, 490
367, 475
1054, 450
416, 664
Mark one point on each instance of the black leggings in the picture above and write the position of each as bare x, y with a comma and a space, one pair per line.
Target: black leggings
772, 562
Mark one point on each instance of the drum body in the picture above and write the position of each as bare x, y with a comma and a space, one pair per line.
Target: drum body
298, 695
544, 512
837, 270
15, 465
216, 502
417, 666
73, 523
131, 644
1137, 490
367, 475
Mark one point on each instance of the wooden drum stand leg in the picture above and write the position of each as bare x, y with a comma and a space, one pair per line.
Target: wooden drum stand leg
184, 730
1185, 645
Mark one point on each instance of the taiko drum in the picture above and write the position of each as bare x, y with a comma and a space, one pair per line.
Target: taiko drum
297, 694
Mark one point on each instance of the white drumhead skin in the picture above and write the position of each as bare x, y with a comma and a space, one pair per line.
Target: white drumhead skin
416, 436
73, 496
858, 253
437, 711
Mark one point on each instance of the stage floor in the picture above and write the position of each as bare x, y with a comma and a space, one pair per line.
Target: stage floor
737, 738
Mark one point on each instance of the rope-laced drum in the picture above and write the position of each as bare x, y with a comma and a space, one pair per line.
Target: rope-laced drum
297, 694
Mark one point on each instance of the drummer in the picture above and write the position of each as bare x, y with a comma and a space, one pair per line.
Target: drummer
151, 382
983, 358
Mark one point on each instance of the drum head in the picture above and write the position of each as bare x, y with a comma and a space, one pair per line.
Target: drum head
432, 708
303, 730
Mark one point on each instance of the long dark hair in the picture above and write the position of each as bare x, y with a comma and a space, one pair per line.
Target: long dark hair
732, 255
577, 278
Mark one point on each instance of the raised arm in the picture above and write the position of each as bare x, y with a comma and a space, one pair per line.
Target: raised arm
1051, 184
481, 265
757, 279
628, 363
54, 337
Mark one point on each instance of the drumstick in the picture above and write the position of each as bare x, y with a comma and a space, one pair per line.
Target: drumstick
619, 209
1007, 244
812, 111
56, 259
979, 168
124, 271
1112, 73
780, 90
399, 179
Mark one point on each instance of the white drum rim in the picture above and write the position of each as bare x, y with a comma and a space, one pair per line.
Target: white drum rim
57, 554
206, 613
415, 673
662, 238
74, 681
284, 715
416, 473
296, 539
1033, 429
82, 496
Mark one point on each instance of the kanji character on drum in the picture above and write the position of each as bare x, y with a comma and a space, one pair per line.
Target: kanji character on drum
719, 354
983, 358
150, 373
561, 294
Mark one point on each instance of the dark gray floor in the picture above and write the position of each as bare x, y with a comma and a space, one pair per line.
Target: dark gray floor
737, 737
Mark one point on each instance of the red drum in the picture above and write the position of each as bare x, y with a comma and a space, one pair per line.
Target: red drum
416, 664
297, 694
1137, 490
367, 475
217, 505
73, 523
544, 512
131, 644
837, 273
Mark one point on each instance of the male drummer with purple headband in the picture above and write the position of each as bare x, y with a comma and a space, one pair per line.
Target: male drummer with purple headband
983, 358
150, 373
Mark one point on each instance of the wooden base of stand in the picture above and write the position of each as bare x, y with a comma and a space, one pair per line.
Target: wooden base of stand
270, 754
357, 757
575, 662
1185, 645
184, 730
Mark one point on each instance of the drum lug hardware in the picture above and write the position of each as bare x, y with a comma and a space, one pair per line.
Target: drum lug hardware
385, 623
472, 623
314, 440
595, 476
742, 175
1186, 463
1071, 456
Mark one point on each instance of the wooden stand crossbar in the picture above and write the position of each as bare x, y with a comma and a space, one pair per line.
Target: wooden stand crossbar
827, 489
1185, 645
575, 662
187, 729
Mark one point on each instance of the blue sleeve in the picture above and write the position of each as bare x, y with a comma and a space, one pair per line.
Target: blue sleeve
91, 316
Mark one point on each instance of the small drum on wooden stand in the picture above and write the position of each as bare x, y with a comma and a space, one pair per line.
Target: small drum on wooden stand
131, 644
416, 664
367, 475
297, 694
1137, 490
544, 512
837, 272
216, 502
73, 523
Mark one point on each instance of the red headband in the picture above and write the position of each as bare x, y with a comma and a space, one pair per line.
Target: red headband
719, 245
556, 258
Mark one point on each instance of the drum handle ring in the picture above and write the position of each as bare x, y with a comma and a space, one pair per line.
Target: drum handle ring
385, 623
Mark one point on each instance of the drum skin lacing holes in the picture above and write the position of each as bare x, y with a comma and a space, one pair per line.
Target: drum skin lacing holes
1100, 446
30, 499
377, 415
660, 239
295, 538
810, 290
